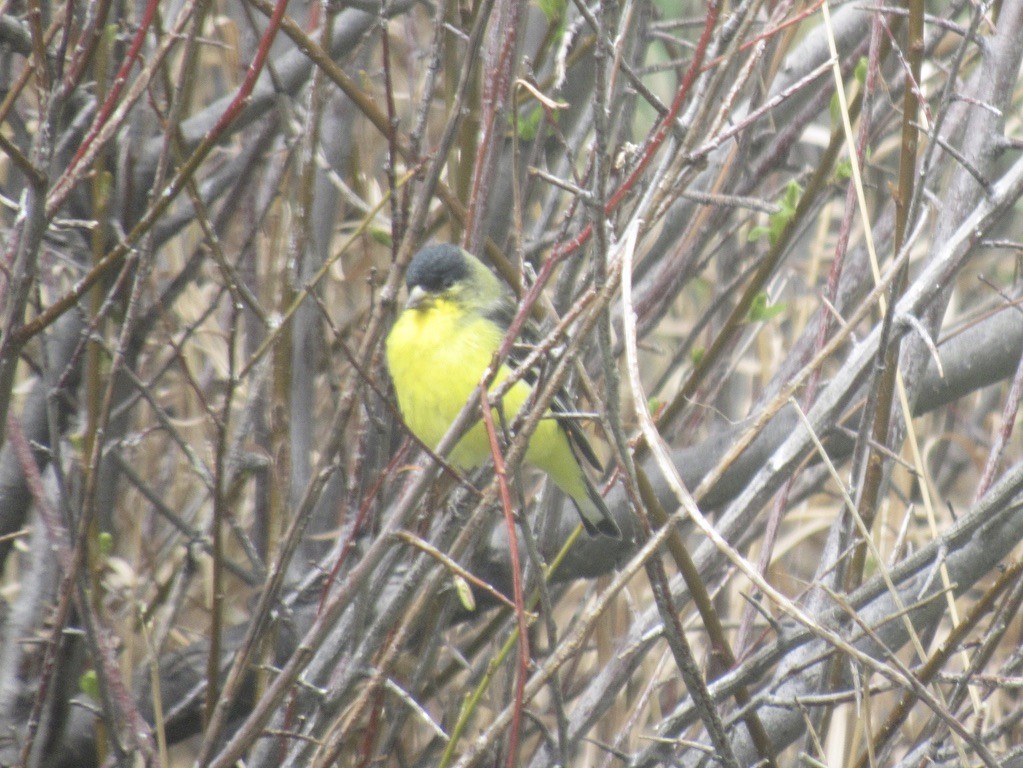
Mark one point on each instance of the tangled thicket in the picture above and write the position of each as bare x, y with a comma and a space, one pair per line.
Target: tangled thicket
790, 312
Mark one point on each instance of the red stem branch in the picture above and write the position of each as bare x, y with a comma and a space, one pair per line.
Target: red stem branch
513, 551
655, 141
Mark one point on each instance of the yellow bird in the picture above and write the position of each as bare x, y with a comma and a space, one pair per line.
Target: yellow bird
455, 318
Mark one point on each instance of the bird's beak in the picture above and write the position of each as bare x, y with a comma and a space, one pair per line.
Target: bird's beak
417, 298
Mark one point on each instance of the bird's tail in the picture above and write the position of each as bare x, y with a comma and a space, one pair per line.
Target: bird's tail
596, 517
561, 464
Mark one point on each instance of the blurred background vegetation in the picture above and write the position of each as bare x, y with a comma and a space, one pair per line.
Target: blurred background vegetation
217, 542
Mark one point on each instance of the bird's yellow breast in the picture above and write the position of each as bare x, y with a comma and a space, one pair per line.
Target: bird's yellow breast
436, 356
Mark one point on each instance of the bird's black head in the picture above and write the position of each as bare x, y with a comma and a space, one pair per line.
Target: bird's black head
437, 267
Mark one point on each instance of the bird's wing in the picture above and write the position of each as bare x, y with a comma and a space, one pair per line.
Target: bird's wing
576, 436
561, 405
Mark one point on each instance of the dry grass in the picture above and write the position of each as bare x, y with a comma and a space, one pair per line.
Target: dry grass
221, 473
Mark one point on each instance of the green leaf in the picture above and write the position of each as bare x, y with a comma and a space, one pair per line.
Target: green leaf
843, 170
529, 122
465, 595
793, 191
861, 70
757, 233
860, 76
105, 540
381, 236
553, 10
777, 221
696, 355
761, 310
88, 684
